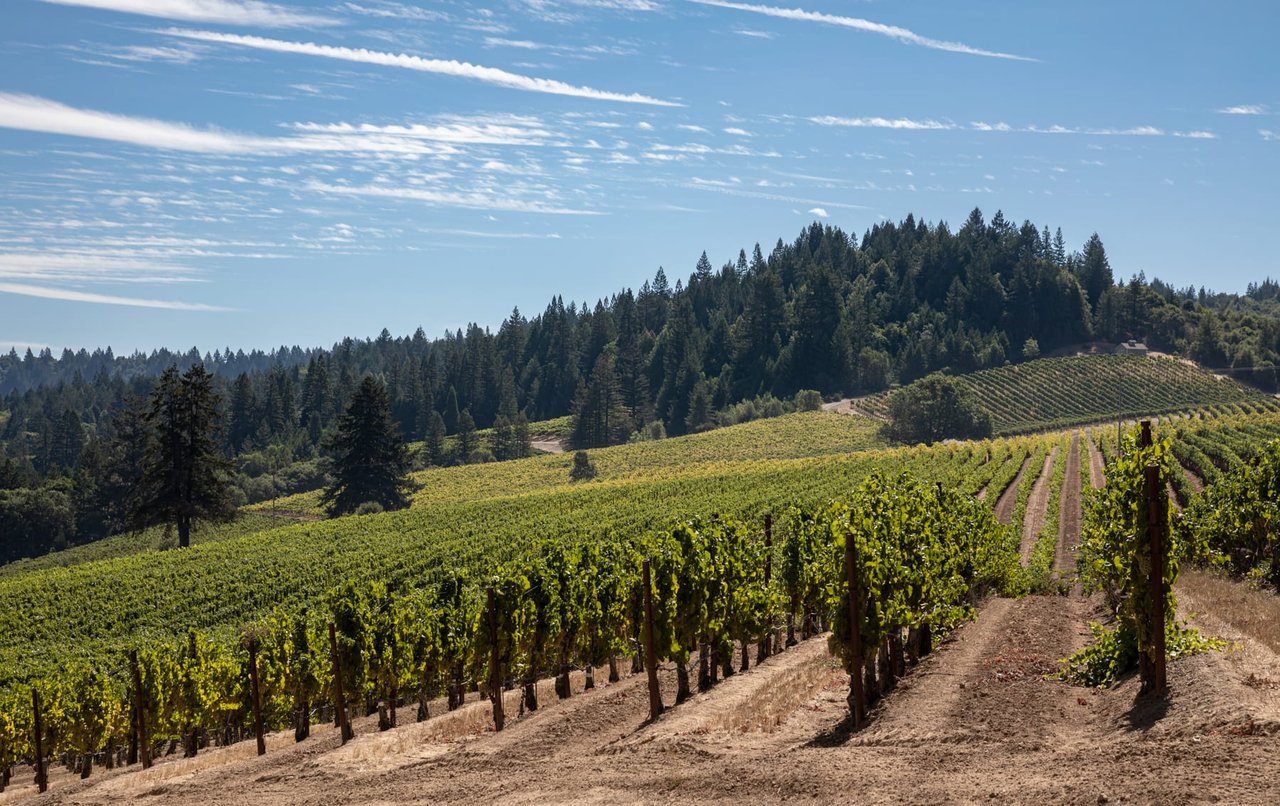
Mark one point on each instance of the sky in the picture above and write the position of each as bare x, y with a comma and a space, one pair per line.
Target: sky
239, 173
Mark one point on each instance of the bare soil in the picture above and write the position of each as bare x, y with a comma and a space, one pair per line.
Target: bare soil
1007, 502
1097, 468
1037, 504
1064, 559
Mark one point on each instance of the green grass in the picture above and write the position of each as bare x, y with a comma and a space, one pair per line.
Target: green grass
1053, 393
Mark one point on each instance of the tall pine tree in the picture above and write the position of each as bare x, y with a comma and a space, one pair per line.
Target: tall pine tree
370, 461
184, 478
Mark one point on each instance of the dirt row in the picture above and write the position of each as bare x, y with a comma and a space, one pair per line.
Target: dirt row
1037, 504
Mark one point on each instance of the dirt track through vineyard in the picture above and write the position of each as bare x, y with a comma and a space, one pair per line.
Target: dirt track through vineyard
980, 718
1064, 558
1037, 504
1008, 500
1097, 475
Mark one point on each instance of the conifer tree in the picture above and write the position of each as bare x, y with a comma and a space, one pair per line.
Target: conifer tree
184, 478
467, 441
435, 450
371, 462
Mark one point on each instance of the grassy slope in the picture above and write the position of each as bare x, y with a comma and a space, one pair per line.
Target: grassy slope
790, 437
473, 517
1061, 392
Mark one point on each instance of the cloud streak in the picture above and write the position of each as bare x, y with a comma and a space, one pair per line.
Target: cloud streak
903, 35
233, 12
29, 113
68, 295
909, 124
1243, 109
471, 200
446, 67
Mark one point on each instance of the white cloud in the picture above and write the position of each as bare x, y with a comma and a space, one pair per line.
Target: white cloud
233, 12
514, 130
644, 126
754, 34
979, 126
1243, 109
689, 127
103, 299
819, 212
881, 123
735, 131
448, 67
471, 200
41, 115
88, 265
522, 44
1268, 135
892, 31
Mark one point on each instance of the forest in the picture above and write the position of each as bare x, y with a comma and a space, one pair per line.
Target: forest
830, 312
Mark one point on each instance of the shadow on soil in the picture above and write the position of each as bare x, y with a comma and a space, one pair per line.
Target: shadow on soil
1145, 712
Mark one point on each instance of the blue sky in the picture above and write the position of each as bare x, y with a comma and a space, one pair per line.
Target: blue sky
227, 172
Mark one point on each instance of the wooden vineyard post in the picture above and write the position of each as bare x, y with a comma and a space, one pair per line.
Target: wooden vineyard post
257, 697
766, 640
650, 653
339, 699
42, 777
857, 697
1146, 434
1159, 683
495, 672
140, 711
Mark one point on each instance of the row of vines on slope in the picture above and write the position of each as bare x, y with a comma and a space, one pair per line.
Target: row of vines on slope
925, 554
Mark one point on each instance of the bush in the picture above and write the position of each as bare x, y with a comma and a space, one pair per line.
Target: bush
808, 400
369, 508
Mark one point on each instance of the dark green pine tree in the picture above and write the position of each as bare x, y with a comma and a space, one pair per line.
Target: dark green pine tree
468, 442
184, 477
600, 414
370, 461
434, 446
1094, 270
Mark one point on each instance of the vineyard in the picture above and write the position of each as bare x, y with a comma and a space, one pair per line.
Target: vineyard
502, 575
1053, 393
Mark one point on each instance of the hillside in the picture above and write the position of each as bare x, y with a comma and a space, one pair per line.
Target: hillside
983, 713
472, 517
1061, 392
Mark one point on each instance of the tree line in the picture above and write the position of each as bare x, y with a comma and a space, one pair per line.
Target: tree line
829, 311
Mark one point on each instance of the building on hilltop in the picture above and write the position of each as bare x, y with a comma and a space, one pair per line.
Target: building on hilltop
1131, 347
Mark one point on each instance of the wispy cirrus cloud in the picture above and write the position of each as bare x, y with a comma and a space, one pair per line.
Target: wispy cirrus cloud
447, 67
29, 113
1243, 109
233, 12
70, 295
471, 200
911, 124
903, 35
881, 123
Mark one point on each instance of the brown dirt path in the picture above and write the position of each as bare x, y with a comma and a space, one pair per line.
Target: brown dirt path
1007, 502
1097, 468
1193, 481
976, 720
1069, 512
1037, 504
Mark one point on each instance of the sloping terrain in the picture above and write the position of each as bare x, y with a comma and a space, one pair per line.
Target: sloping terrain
1061, 392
